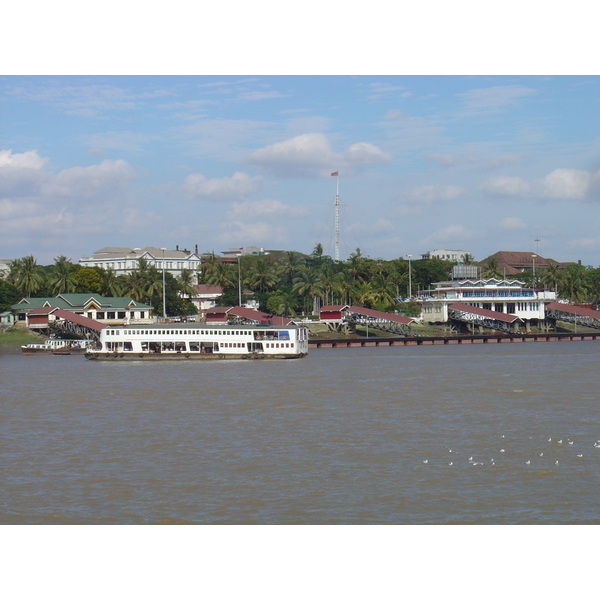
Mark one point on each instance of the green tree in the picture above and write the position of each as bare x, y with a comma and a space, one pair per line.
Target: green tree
89, 280
221, 274
492, 269
62, 276
112, 285
263, 275
308, 283
9, 295
28, 274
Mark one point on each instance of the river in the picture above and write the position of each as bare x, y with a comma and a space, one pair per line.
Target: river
469, 434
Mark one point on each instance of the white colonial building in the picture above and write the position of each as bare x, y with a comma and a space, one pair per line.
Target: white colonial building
125, 260
4, 267
509, 297
453, 255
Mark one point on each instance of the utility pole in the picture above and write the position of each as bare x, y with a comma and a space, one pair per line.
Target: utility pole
164, 290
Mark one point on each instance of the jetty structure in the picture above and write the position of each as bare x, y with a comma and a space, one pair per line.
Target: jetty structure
501, 304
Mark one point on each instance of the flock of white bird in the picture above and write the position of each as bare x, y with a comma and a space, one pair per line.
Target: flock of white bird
496, 460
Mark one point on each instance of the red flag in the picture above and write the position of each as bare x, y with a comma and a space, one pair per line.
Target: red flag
335, 174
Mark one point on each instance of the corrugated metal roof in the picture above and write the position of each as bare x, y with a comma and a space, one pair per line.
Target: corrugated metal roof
248, 314
377, 314
204, 288
79, 319
574, 309
484, 312
335, 307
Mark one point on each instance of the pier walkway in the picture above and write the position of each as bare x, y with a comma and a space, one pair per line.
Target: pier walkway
367, 317
498, 338
491, 319
569, 313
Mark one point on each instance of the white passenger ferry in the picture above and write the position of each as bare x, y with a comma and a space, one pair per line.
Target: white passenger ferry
181, 341
57, 346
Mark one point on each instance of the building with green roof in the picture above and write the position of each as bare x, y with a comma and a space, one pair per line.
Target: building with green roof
111, 311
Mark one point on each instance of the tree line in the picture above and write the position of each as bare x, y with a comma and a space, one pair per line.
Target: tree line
284, 283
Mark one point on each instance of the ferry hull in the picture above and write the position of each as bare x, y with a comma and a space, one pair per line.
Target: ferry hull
186, 356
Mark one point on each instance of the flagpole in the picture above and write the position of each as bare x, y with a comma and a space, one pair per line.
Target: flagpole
337, 216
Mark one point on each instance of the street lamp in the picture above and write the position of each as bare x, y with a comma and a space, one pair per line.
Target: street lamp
409, 256
164, 291
239, 280
533, 256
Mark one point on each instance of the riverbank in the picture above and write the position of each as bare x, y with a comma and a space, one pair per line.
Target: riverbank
18, 337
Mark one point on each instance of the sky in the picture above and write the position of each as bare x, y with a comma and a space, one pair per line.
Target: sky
243, 157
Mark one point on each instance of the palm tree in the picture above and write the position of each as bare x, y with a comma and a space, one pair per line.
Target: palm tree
30, 276
308, 283
551, 277
263, 275
291, 265
356, 265
61, 278
492, 268
112, 284
15, 268
574, 286
135, 286
209, 263
186, 280
221, 274
328, 281
383, 291
344, 284
363, 293
286, 306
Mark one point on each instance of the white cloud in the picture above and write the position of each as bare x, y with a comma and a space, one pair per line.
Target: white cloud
261, 233
26, 160
585, 243
450, 234
261, 95
512, 223
505, 186
566, 184
266, 207
452, 160
428, 194
380, 226
560, 184
310, 155
130, 141
89, 181
235, 187
21, 174
392, 115
494, 98
226, 139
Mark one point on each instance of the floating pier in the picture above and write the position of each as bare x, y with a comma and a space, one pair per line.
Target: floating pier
512, 338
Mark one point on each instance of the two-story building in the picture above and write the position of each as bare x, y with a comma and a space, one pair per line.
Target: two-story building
125, 260
507, 296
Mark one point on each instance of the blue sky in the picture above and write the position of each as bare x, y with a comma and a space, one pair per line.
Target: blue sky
472, 162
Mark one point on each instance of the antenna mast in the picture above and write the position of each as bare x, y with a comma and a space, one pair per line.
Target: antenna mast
337, 216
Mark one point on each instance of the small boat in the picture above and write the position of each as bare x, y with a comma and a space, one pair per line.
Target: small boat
199, 341
57, 346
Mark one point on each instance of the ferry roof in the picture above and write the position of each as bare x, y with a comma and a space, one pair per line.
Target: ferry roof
217, 326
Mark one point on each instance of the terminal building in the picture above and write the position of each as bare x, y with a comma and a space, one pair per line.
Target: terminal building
495, 303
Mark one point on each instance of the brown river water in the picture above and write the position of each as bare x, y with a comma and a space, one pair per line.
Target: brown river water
473, 434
